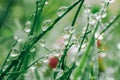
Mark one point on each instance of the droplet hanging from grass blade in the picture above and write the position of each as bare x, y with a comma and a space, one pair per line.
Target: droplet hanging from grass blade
61, 10
46, 24
27, 26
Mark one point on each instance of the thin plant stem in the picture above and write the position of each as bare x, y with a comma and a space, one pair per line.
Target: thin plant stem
85, 55
37, 15
50, 27
79, 8
62, 60
8, 56
84, 36
107, 27
55, 21
5, 13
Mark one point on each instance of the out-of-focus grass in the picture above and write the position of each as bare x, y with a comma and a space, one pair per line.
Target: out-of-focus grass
23, 9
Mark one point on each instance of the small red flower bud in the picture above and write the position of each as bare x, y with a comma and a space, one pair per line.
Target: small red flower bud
98, 43
53, 61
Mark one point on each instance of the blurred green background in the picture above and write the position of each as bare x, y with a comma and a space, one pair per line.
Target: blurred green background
21, 11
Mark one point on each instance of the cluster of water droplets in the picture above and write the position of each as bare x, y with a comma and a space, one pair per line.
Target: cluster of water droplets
87, 9
46, 24
99, 36
102, 13
67, 32
61, 10
18, 39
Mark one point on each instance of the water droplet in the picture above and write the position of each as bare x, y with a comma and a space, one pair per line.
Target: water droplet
42, 42
84, 45
31, 38
99, 36
61, 10
66, 36
27, 29
39, 4
46, 24
4, 68
39, 8
118, 45
87, 9
15, 52
32, 50
71, 29
92, 21
104, 14
106, 1
20, 40
98, 16
65, 41
27, 26
46, 2
67, 32
59, 72
45, 60
111, 1
32, 68
14, 55
28, 23
15, 37
57, 54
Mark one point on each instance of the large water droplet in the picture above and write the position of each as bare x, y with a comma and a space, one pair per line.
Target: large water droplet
32, 50
61, 10
46, 24
15, 52
42, 42
27, 26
